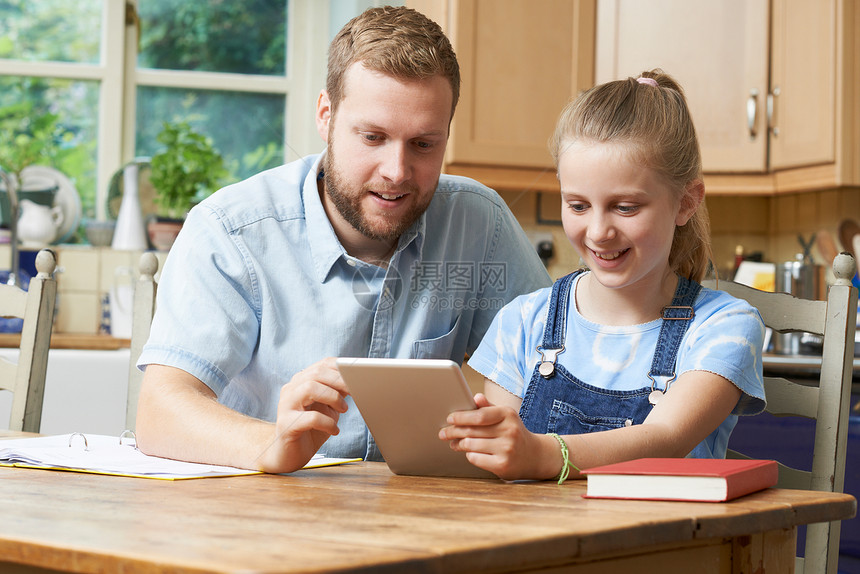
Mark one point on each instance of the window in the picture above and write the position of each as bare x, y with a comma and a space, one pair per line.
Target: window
244, 73
232, 83
50, 63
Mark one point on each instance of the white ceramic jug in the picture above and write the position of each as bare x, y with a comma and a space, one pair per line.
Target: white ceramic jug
121, 302
130, 232
38, 225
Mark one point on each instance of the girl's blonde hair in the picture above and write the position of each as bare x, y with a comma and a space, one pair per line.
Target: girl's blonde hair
649, 116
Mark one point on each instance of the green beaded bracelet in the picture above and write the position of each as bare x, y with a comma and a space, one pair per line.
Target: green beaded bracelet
566, 465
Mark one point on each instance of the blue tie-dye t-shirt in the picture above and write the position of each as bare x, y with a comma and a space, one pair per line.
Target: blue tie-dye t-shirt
725, 337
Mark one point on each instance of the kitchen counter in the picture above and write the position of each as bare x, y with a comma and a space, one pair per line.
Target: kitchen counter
71, 341
799, 366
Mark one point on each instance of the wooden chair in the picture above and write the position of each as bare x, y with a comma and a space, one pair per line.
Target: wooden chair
828, 403
26, 378
141, 319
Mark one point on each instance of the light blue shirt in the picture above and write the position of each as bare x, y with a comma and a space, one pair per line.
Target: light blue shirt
257, 287
725, 337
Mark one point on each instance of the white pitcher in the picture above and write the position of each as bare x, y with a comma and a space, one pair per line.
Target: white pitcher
122, 302
130, 233
38, 225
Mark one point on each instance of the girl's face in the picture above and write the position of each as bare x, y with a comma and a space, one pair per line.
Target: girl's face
619, 215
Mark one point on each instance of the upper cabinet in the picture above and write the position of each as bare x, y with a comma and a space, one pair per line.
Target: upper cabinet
520, 63
718, 53
773, 87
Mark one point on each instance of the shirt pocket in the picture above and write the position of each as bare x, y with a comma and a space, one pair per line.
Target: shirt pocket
439, 347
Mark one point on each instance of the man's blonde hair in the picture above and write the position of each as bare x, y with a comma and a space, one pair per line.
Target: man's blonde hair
394, 40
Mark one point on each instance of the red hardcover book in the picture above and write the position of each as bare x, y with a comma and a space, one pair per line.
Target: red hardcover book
698, 479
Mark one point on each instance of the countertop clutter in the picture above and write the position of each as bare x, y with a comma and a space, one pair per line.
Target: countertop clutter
800, 367
94, 285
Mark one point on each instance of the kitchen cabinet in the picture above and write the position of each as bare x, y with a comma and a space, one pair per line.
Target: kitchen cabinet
520, 63
773, 86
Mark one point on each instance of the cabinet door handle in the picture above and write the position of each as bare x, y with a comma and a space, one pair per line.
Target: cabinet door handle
752, 105
774, 129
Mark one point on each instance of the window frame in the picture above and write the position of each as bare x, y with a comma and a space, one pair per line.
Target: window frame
118, 78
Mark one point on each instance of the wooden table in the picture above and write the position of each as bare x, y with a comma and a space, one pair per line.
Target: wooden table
360, 517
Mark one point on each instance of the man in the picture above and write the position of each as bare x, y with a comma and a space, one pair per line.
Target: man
362, 251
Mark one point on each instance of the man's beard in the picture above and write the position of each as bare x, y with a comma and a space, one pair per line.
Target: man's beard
348, 204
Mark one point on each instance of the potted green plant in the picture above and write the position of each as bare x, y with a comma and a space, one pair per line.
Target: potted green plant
27, 137
186, 170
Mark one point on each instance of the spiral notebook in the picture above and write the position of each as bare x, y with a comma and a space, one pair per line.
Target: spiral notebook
118, 456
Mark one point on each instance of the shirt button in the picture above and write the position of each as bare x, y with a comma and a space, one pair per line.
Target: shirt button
628, 423
350, 262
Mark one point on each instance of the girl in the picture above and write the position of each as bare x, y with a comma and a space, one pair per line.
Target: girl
632, 357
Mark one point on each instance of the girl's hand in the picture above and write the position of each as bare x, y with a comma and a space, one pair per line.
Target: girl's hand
495, 439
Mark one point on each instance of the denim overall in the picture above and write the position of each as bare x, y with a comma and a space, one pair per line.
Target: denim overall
558, 402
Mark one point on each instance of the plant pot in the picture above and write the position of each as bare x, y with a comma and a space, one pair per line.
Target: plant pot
99, 233
162, 232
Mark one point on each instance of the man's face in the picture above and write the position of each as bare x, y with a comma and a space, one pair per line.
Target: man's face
386, 144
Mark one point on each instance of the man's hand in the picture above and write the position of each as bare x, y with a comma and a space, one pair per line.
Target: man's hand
179, 417
308, 411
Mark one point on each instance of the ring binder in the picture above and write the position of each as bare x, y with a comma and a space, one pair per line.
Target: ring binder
127, 432
83, 436
122, 435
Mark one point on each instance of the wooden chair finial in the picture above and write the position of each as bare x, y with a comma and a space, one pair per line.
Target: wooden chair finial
148, 264
46, 263
844, 268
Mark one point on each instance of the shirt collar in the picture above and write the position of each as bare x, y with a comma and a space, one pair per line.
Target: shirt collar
324, 244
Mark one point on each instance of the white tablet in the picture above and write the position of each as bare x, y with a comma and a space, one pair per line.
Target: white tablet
404, 403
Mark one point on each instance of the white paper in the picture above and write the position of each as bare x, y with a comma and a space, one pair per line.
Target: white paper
106, 455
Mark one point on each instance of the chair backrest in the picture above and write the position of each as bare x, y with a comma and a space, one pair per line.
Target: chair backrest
26, 378
141, 319
828, 403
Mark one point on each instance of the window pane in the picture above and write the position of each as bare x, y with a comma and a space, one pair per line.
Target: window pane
247, 37
53, 30
76, 105
247, 129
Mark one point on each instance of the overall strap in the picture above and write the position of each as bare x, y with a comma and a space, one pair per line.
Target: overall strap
556, 324
676, 319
